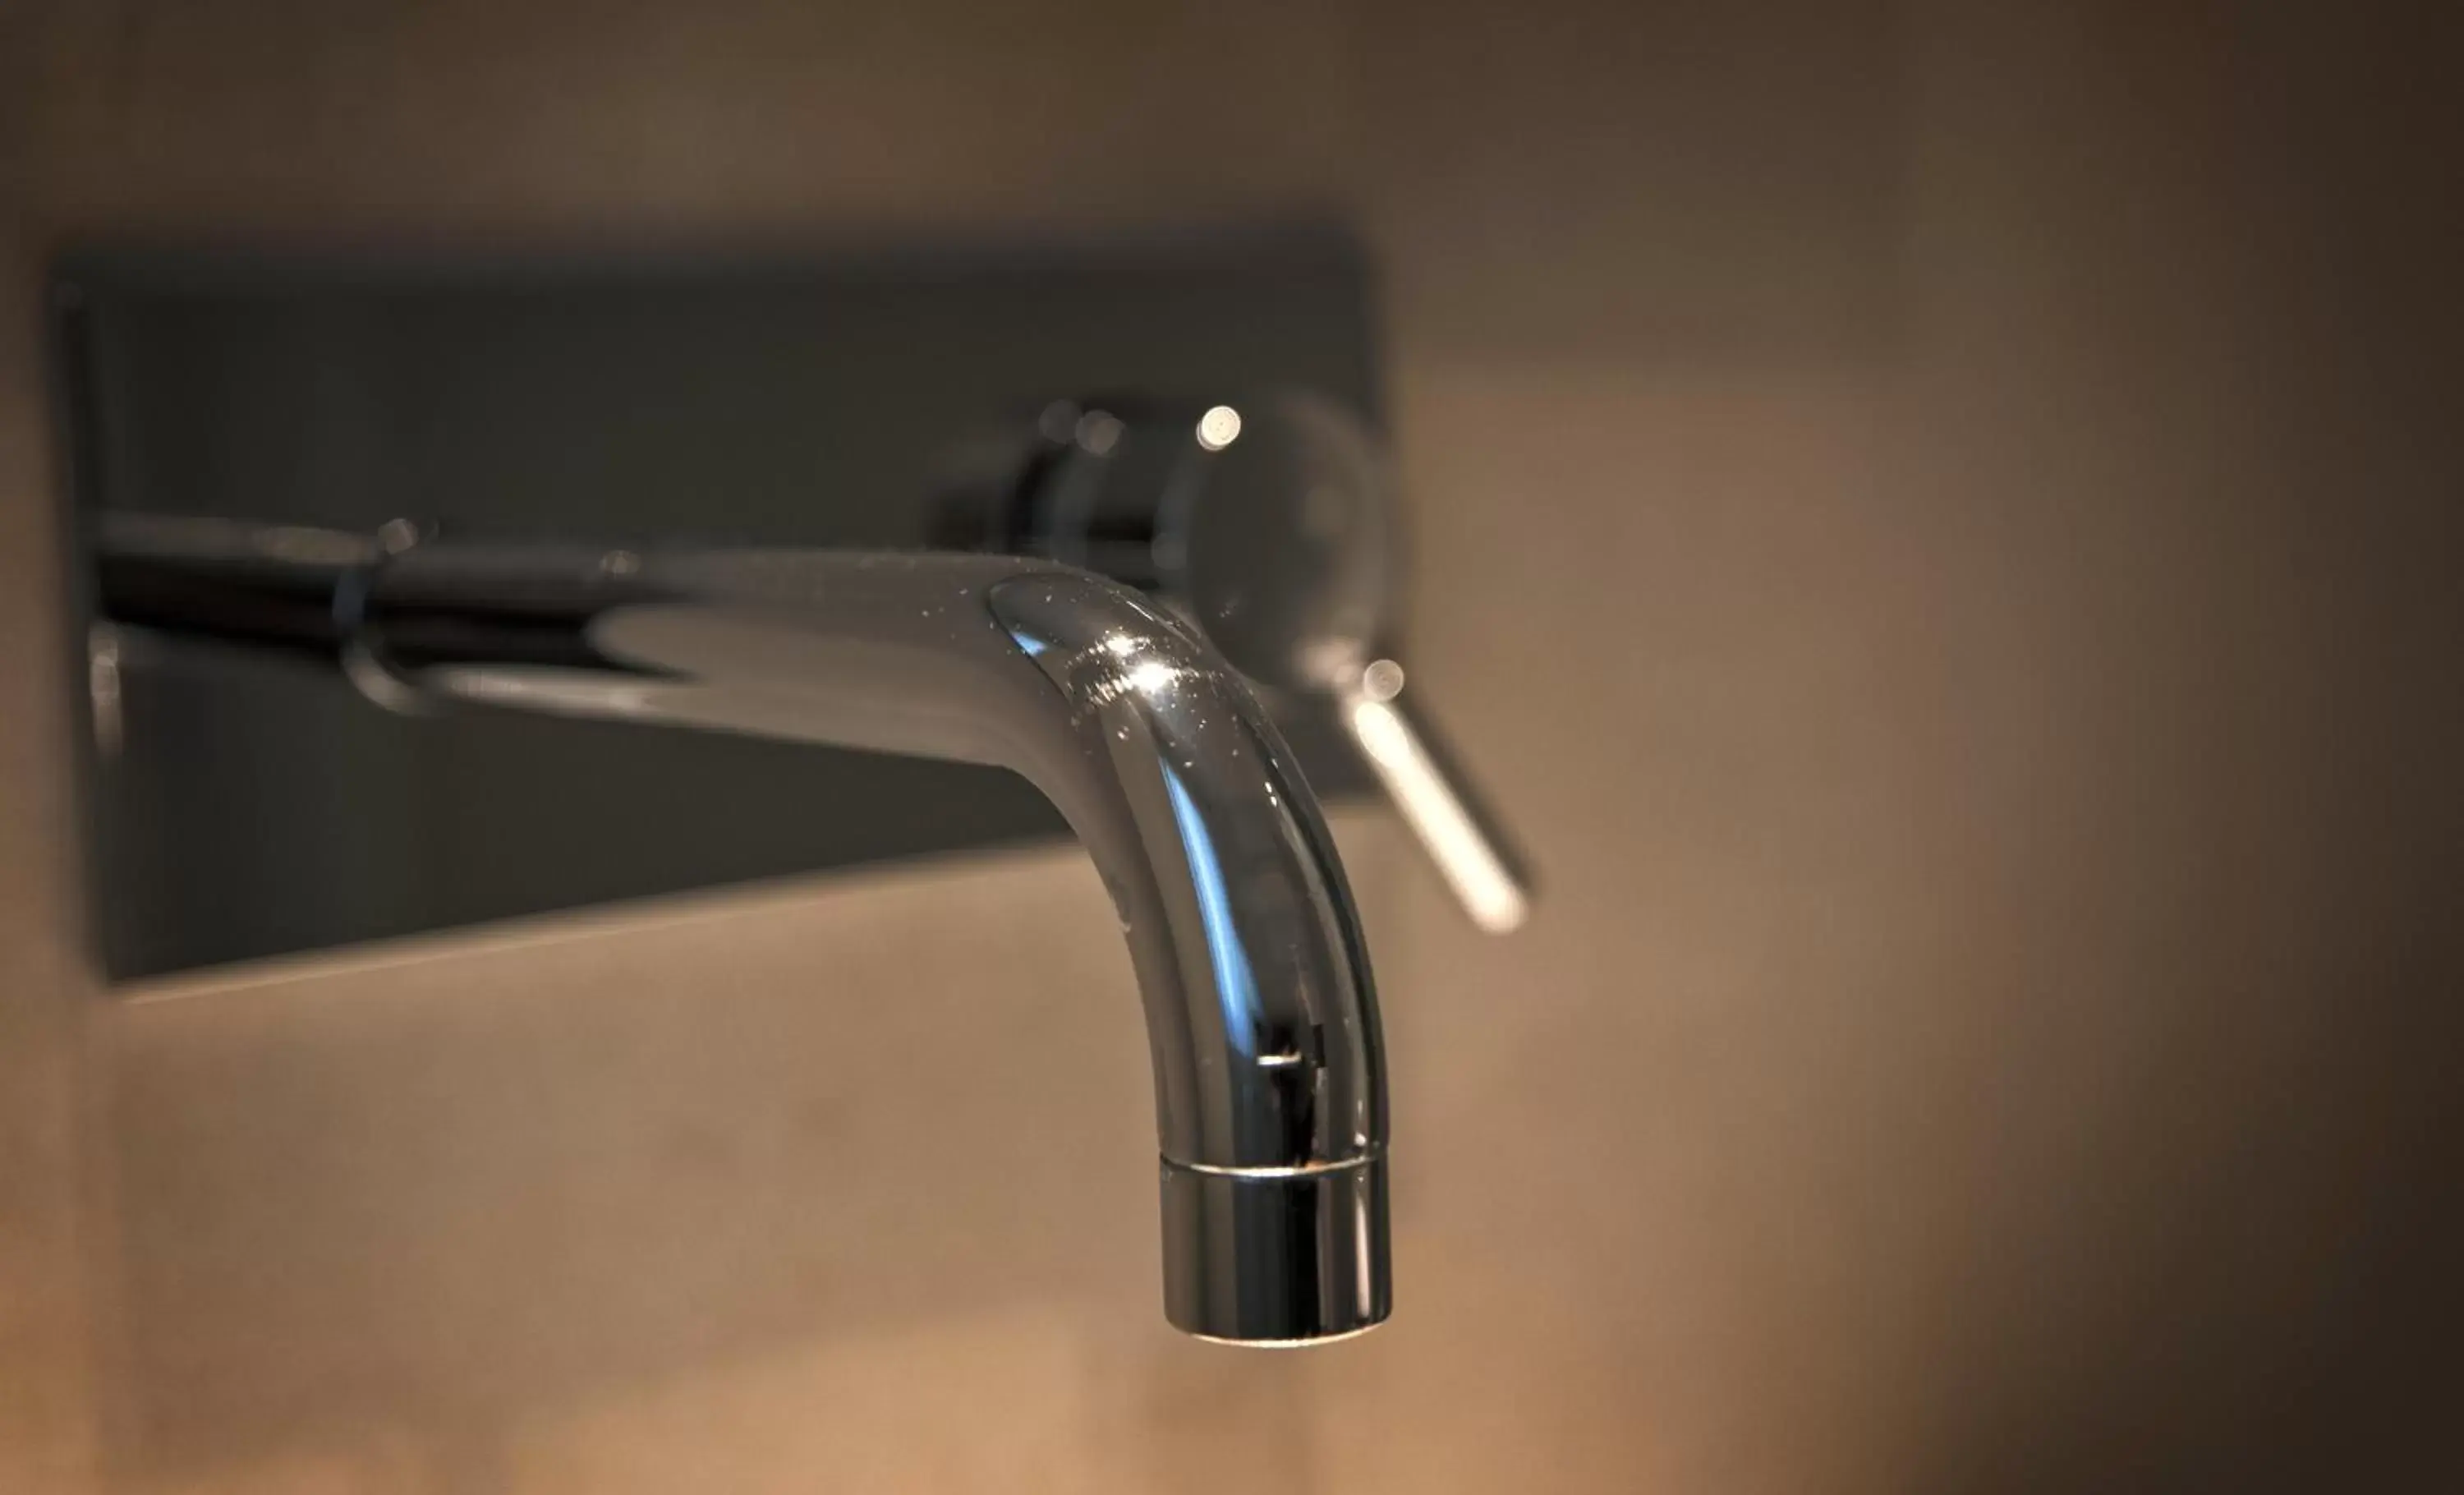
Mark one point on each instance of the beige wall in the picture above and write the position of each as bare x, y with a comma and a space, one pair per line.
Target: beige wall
1937, 529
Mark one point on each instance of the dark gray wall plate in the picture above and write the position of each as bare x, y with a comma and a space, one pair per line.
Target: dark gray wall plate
254, 808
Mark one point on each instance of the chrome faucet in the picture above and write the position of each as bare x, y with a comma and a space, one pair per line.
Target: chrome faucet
1262, 1020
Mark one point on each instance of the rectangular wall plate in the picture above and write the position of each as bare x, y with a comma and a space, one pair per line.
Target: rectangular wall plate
239, 806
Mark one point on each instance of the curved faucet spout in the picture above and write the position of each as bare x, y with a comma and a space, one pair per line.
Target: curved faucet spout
1261, 1020
1260, 1013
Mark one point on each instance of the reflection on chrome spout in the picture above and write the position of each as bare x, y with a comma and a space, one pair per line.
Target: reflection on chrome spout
1261, 1018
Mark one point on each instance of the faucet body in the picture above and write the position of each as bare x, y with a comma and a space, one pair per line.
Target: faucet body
1260, 1015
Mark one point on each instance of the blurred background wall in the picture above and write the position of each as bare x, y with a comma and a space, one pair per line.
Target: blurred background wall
1935, 520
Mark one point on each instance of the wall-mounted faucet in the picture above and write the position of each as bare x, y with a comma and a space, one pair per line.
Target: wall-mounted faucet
1260, 1016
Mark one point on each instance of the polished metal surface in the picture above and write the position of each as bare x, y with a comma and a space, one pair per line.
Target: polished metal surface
1272, 528
1260, 1017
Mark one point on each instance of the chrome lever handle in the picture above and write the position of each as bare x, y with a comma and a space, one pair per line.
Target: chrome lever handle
1464, 840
